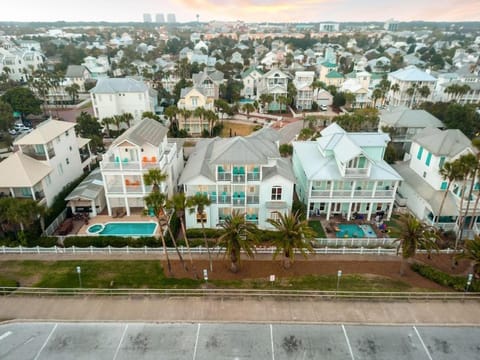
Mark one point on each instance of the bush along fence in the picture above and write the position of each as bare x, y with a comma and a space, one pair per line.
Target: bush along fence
200, 250
458, 283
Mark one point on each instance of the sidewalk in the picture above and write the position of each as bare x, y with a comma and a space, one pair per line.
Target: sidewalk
237, 310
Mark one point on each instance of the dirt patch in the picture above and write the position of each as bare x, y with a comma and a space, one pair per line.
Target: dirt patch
444, 263
262, 269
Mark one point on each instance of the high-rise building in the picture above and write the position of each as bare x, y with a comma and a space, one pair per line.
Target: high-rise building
329, 27
171, 18
147, 18
159, 18
391, 25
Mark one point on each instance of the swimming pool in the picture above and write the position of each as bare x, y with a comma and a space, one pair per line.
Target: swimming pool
355, 231
137, 228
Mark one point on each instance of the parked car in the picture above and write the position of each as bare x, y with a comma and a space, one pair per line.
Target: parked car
12, 131
20, 128
323, 107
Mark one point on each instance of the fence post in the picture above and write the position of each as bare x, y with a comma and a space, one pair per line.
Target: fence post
109, 249
343, 250
379, 250
336, 241
38, 249
20, 247
91, 249
73, 249
3, 248
128, 251
146, 251
448, 250
326, 249
56, 249
361, 249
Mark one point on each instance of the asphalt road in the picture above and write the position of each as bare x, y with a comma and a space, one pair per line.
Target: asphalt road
235, 341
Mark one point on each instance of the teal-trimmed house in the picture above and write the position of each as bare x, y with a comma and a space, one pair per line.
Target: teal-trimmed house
345, 174
424, 188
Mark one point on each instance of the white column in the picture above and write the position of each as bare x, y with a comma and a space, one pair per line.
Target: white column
127, 206
32, 190
94, 209
349, 213
12, 193
329, 210
369, 216
109, 209
374, 190
72, 208
390, 209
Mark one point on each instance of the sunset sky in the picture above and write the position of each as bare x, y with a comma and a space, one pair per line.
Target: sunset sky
246, 10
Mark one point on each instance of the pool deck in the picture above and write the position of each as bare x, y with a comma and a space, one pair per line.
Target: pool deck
333, 223
102, 219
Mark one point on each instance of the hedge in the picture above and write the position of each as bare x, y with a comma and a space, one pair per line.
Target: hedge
113, 241
455, 282
263, 236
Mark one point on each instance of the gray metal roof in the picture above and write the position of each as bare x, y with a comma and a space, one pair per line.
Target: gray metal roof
447, 143
118, 85
412, 73
147, 131
408, 118
75, 71
89, 189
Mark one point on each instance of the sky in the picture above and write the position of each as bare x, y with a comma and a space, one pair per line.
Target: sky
246, 10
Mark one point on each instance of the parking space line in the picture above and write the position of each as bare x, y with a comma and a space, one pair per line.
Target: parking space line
348, 342
5, 335
120, 343
46, 341
423, 344
196, 342
271, 340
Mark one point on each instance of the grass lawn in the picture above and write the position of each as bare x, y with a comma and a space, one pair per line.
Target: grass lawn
237, 128
318, 228
149, 274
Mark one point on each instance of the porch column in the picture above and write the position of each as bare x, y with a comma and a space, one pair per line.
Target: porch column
374, 190
349, 213
390, 209
354, 186
109, 208
12, 193
32, 190
72, 208
308, 210
94, 209
369, 216
329, 209
127, 207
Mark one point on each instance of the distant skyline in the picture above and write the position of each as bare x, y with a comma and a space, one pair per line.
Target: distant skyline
246, 10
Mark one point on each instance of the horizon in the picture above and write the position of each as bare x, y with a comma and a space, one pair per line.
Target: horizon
249, 11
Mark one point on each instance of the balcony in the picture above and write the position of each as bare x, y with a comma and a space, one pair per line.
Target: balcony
238, 178
224, 176
225, 199
253, 199
253, 176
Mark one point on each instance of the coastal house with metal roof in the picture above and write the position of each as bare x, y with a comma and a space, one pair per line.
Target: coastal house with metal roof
192, 98
406, 78
209, 82
344, 174
116, 96
250, 79
275, 83
241, 173
88, 196
303, 84
423, 188
142, 147
403, 124
48, 158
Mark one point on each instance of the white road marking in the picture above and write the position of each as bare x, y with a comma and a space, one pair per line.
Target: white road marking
271, 340
46, 341
5, 335
348, 342
196, 342
120, 343
423, 344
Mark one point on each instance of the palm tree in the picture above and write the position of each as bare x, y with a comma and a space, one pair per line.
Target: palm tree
468, 169
179, 203
117, 120
411, 91
107, 121
248, 108
471, 252
450, 171
200, 201
282, 100
265, 100
376, 94
412, 234
73, 90
395, 88
212, 118
156, 201
237, 235
424, 91
127, 118
154, 177
20, 212
186, 115
292, 235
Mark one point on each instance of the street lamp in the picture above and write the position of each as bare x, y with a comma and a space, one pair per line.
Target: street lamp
79, 272
339, 275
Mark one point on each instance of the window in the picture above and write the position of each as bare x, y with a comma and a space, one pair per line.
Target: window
66, 133
441, 162
194, 100
67, 161
274, 215
424, 174
428, 159
276, 193
420, 152
444, 185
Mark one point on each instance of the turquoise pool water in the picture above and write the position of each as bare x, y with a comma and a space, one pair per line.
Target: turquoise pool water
124, 229
355, 231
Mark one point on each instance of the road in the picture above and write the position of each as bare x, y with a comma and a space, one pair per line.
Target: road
199, 341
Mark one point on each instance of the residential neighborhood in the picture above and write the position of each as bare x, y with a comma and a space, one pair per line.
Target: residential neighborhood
219, 155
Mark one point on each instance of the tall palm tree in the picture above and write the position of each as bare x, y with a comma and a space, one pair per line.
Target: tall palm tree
156, 201
293, 235
179, 203
471, 252
187, 114
411, 91
424, 91
395, 88
127, 118
118, 120
248, 108
450, 171
107, 121
376, 94
72, 91
212, 118
282, 100
468, 165
411, 234
200, 202
154, 177
265, 100
237, 235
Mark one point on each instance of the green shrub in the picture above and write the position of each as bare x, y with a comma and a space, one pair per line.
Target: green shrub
113, 241
455, 282
198, 233
43, 241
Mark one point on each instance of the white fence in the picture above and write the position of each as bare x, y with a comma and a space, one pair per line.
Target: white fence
355, 242
200, 250
56, 223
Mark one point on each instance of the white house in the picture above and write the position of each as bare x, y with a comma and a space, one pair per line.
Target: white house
192, 98
48, 158
344, 174
241, 173
209, 82
275, 83
142, 147
303, 84
406, 78
78, 74
423, 188
116, 96
250, 78
98, 67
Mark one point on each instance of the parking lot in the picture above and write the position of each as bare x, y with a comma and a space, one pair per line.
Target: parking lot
235, 341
